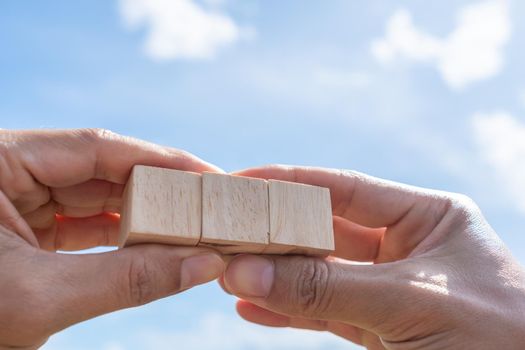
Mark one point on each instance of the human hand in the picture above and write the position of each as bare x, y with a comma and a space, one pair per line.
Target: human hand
440, 278
61, 190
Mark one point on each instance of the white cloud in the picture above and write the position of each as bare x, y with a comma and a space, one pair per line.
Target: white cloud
217, 331
473, 51
179, 28
501, 143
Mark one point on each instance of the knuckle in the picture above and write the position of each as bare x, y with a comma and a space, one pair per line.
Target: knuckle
461, 207
96, 134
8, 139
97, 139
139, 281
467, 203
313, 289
11, 174
4, 148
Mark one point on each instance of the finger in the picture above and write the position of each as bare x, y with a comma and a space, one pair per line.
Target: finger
26, 195
70, 157
70, 234
409, 213
84, 212
256, 314
357, 197
361, 295
355, 242
90, 194
18, 185
96, 284
220, 280
43, 217
11, 219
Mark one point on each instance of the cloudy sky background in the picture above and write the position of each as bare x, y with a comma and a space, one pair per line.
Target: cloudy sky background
427, 93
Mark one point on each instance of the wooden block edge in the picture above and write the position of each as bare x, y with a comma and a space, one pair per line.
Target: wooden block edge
149, 238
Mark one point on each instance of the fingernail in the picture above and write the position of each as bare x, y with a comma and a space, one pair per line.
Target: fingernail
199, 269
250, 276
223, 285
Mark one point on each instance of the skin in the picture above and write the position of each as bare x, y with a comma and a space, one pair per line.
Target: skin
436, 275
61, 190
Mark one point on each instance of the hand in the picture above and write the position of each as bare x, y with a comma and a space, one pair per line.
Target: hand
61, 190
440, 278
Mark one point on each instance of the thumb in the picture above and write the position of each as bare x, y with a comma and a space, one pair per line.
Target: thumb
100, 283
362, 295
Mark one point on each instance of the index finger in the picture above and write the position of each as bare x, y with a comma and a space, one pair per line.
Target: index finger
61, 158
366, 200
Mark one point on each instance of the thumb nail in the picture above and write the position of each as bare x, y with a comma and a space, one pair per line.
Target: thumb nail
250, 276
199, 269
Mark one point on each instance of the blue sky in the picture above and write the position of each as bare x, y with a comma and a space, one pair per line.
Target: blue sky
427, 93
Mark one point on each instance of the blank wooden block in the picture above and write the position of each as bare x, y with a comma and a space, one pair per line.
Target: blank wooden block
234, 213
161, 206
300, 219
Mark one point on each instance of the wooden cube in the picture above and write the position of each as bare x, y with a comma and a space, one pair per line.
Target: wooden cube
300, 219
229, 213
161, 206
234, 213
